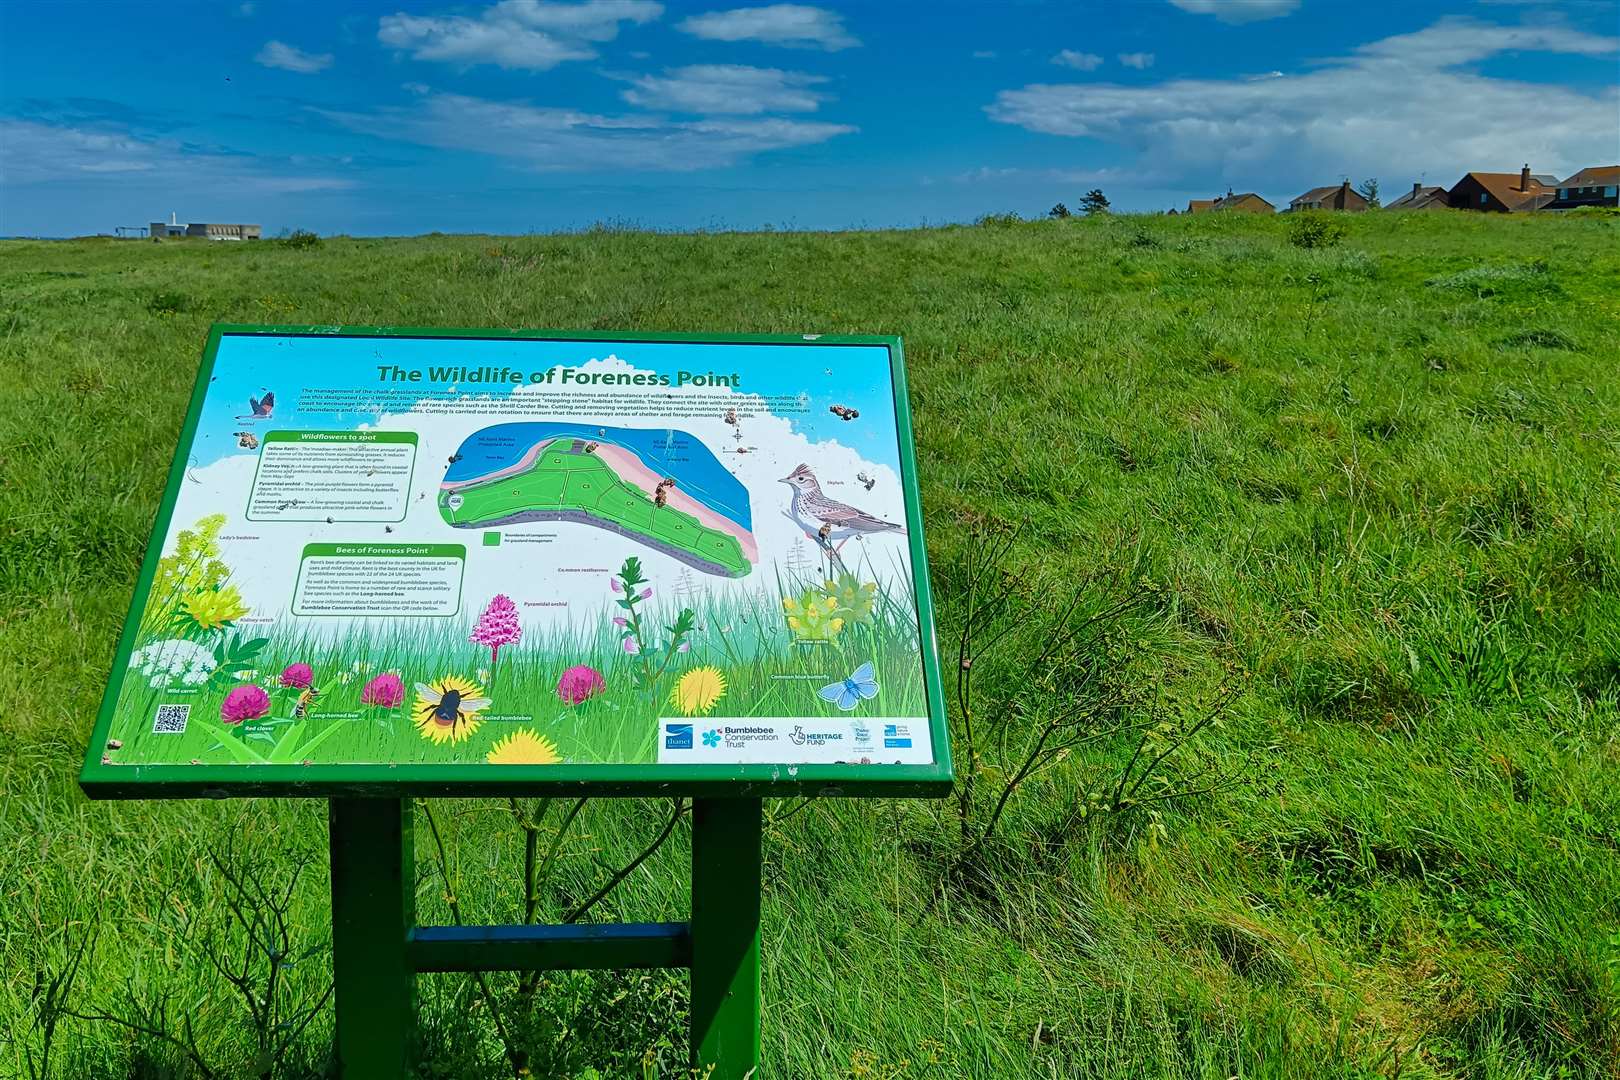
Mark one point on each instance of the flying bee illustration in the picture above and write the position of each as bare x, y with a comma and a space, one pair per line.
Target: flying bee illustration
454, 458
246, 440
866, 480
306, 701
447, 710
661, 493
590, 447
742, 449
388, 528
731, 417
844, 412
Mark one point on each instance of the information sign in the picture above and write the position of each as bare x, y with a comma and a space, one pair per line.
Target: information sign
483, 561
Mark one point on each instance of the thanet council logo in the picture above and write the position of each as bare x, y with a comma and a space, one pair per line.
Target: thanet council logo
679, 737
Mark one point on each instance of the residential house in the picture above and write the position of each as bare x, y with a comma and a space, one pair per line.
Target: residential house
1422, 198
1338, 197
1200, 206
1502, 193
1597, 186
1248, 202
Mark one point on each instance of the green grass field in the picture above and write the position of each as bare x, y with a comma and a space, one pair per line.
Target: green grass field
1373, 488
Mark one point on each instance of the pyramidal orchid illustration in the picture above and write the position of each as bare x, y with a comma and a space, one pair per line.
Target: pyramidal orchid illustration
498, 626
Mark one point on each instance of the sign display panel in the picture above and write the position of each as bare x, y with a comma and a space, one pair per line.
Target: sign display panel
442, 561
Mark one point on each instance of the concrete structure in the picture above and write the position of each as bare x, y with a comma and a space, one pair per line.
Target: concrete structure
207, 230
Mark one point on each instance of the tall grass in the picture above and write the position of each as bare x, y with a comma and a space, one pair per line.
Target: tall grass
1377, 485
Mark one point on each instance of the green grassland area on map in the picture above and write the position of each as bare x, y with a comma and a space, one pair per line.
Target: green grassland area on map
564, 478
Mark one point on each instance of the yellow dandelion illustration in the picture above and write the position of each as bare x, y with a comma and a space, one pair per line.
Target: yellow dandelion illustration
524, 747
447, 709
696, 691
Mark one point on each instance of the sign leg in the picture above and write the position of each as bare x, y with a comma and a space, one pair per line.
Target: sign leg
725, 936
373, 909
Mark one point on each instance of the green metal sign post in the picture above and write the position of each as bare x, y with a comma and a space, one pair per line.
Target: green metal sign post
377, 948
401, 563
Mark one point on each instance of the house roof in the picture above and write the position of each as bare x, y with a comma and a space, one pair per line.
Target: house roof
1317, 194
1504, 187
1416, 198
1239, 197
1594, 176
1195, 205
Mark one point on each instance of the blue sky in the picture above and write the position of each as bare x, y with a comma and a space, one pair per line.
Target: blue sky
527, 115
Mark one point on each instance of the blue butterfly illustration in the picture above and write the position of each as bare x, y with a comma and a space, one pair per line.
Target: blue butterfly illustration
848, 694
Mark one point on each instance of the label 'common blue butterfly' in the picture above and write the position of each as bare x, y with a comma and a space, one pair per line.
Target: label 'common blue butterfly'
848, 694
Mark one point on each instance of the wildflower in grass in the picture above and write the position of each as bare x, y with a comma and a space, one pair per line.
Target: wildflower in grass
524, 747
211, 609
298, 676
497, 626
697, 691
447, 709
579, 683
482, 674
244, 703
630, 645
620, 621
813, 616
173, 660
646, 594
386, 691
855, 598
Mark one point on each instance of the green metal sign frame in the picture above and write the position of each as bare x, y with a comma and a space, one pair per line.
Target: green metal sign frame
377, 947
102, 780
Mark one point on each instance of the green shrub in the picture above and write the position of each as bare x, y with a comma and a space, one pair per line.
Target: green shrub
1314, 230
302, 240
1000, 221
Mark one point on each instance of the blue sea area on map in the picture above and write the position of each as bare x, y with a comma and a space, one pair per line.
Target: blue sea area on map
666, 451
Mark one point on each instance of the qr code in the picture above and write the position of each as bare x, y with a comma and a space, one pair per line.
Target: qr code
170, 719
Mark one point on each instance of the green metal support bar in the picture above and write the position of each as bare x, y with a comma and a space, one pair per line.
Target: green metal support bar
550, 948
726, 861
373, 909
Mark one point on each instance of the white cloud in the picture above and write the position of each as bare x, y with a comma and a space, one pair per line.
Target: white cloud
726, 88
532, 35
1080, 61
794, 25
277, 54
1375, 112
1141, 61
1239, 11
557, 139
984, 54
47, 153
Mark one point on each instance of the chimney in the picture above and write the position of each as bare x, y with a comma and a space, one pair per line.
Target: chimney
1417, 186
1524, 178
